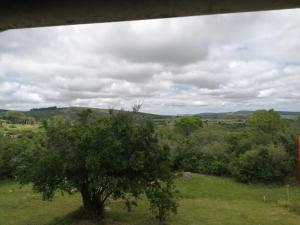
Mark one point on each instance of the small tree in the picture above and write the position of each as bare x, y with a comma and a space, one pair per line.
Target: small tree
162, 198
100, 157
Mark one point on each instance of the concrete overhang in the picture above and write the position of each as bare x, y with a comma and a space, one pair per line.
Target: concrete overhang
38, 13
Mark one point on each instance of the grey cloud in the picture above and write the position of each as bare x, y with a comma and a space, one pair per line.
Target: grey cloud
182, 65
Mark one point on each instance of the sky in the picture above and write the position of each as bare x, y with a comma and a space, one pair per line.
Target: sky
216, 63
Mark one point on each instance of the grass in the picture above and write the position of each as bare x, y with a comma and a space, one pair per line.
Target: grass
204, 200
20, 127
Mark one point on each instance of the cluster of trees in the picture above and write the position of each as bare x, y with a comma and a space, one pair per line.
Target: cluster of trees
264, 150
44, 109
17, 118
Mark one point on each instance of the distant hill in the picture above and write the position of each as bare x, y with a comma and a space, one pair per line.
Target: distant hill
242, 115
72, 112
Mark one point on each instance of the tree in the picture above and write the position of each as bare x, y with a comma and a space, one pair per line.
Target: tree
266, 121
100, 157
187, 124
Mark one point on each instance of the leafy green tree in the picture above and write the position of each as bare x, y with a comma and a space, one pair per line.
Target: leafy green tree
266, 122
116, 156
187, 124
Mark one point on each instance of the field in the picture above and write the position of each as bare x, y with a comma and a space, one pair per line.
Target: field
204, 200
16, 128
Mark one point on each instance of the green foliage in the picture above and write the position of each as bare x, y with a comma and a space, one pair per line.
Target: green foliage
206, 151
8, 158
240, 152
267, 122
215, 158
100, 157
18, 117
186, 160
187, 124
11, 150
162, 198
267, 164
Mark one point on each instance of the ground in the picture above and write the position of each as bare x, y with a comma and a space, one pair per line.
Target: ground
204, 200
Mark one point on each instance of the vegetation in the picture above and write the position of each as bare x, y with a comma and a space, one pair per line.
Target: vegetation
41, 114
109, 158
102, 157
17, 117
186, 125
264, 150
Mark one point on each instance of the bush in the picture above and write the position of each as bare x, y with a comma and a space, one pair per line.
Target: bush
186, 160
162, 198
215, 159
265, 163
9, 156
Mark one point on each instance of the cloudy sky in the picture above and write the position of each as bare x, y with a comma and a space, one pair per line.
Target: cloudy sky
182, 65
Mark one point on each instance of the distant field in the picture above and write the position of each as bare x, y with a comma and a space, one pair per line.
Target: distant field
20, 127
204, 200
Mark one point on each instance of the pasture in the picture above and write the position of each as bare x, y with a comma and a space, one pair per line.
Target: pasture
206, 200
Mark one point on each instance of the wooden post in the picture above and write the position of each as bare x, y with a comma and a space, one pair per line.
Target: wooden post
298, 141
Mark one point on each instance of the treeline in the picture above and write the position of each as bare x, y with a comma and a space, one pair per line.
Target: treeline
15, 117
263, 150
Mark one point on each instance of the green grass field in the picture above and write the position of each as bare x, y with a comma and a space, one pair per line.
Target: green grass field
205, 200
20, 127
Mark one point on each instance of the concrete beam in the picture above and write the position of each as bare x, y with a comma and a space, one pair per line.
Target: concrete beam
37, 13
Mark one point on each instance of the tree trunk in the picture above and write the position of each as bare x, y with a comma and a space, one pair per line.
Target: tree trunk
91, 202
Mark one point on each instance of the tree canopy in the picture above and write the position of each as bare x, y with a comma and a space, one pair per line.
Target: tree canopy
187, 124
267, 121
102, 157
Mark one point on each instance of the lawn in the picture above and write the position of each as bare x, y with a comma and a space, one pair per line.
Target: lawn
205, 200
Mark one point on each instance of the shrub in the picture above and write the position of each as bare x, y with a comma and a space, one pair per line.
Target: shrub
162, 199
10, 149
265, 163
214, 159
186, 160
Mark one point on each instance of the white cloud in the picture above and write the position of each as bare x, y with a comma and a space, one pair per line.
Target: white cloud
182, 65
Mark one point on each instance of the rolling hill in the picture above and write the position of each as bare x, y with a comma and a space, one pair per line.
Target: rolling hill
243, 115
71, 112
